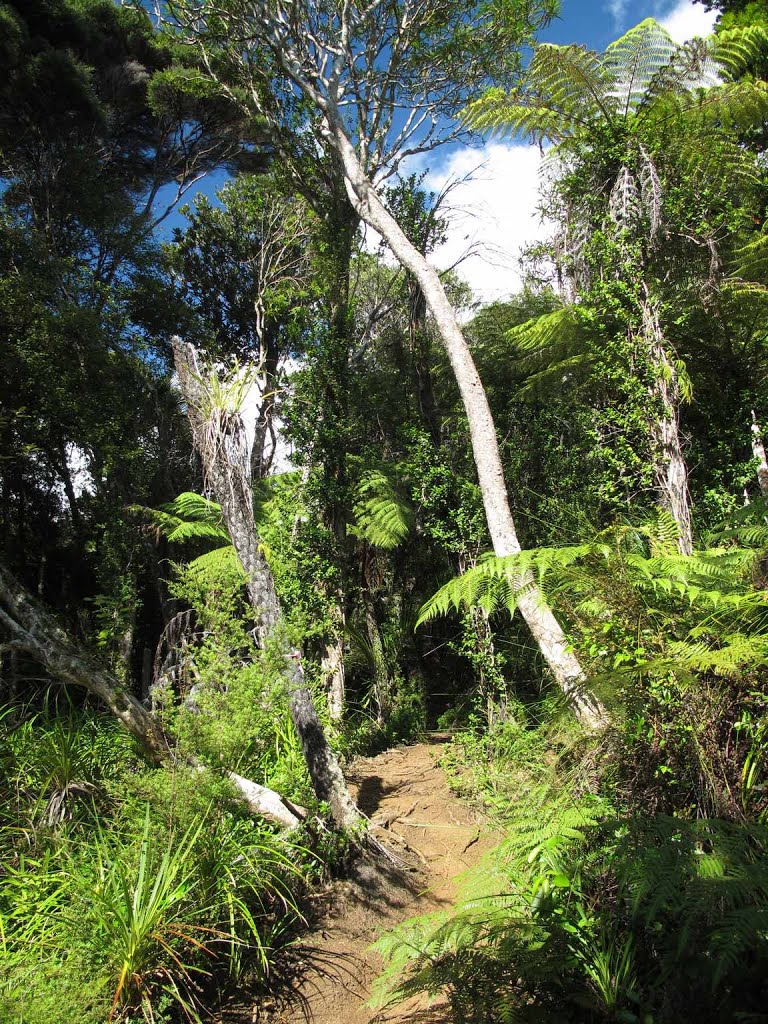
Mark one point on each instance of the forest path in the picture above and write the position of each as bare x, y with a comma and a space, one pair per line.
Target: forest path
435, 837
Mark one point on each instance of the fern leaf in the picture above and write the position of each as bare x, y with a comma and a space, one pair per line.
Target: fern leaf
737, 50
632, 61
564, 91
383, 516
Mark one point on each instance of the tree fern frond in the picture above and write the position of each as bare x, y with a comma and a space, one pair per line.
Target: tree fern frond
565, 90
220, 560
550, 347
495, 582
748, 526
752, 264
574, 368
189, 516
740, 105
728, 659
737, 50
690, 69
632, 62
558, 333
383, 517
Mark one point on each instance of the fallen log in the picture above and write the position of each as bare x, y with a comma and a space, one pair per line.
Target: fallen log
33, 630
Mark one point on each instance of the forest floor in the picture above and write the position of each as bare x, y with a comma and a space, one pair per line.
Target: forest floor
433, 837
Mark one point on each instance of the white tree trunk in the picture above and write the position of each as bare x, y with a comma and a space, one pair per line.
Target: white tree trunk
758, 451
34, 631
544, 626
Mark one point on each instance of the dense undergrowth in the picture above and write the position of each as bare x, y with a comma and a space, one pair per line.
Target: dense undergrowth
278, 629
632, 881
129, 892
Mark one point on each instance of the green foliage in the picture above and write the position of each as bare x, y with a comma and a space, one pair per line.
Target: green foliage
568, 88
188, 517
383, 516
583, 914
128, 906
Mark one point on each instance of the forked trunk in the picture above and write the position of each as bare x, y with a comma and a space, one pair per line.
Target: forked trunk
544, 626
226, 464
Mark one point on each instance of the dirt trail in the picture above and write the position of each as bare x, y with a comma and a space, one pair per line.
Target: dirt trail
435, 837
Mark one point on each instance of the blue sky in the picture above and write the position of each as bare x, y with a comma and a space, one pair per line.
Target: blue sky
495, 212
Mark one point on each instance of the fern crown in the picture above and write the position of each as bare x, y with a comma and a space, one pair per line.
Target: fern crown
643, 76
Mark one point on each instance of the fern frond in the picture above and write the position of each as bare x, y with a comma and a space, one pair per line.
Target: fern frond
565, 89
729, 658
494, 583
550, 348
383, 517
189, 516
213, 563
752, 264
632, 62
737, 50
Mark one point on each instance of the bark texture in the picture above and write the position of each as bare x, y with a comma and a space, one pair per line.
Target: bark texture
539, 617
670, 469
34, 631
226, 463
758, 452
334, 677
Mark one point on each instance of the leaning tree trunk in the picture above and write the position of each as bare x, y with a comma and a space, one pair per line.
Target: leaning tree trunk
35, 632
220, 439
540, 619
670, 467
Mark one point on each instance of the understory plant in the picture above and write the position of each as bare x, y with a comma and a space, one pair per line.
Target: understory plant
630, 883
146, 889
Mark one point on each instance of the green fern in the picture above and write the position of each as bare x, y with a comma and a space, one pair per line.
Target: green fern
586, 906
643, 75
189, 516
383, 516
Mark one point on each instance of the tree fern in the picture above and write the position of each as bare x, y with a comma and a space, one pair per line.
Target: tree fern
568, 90
550, 349
493, 584
565, 90
633, 62
383, 516
189, 516
682, 904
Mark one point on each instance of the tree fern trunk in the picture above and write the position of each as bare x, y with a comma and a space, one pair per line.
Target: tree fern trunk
543, 625
670, 467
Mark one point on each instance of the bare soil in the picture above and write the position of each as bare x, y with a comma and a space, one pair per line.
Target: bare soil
430, 838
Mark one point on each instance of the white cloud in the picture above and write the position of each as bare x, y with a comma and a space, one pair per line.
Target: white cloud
686, 20
617, 10
496, 211
494, 214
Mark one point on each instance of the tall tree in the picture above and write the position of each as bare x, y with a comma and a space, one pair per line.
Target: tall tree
630, 125
216, 411
372, 84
